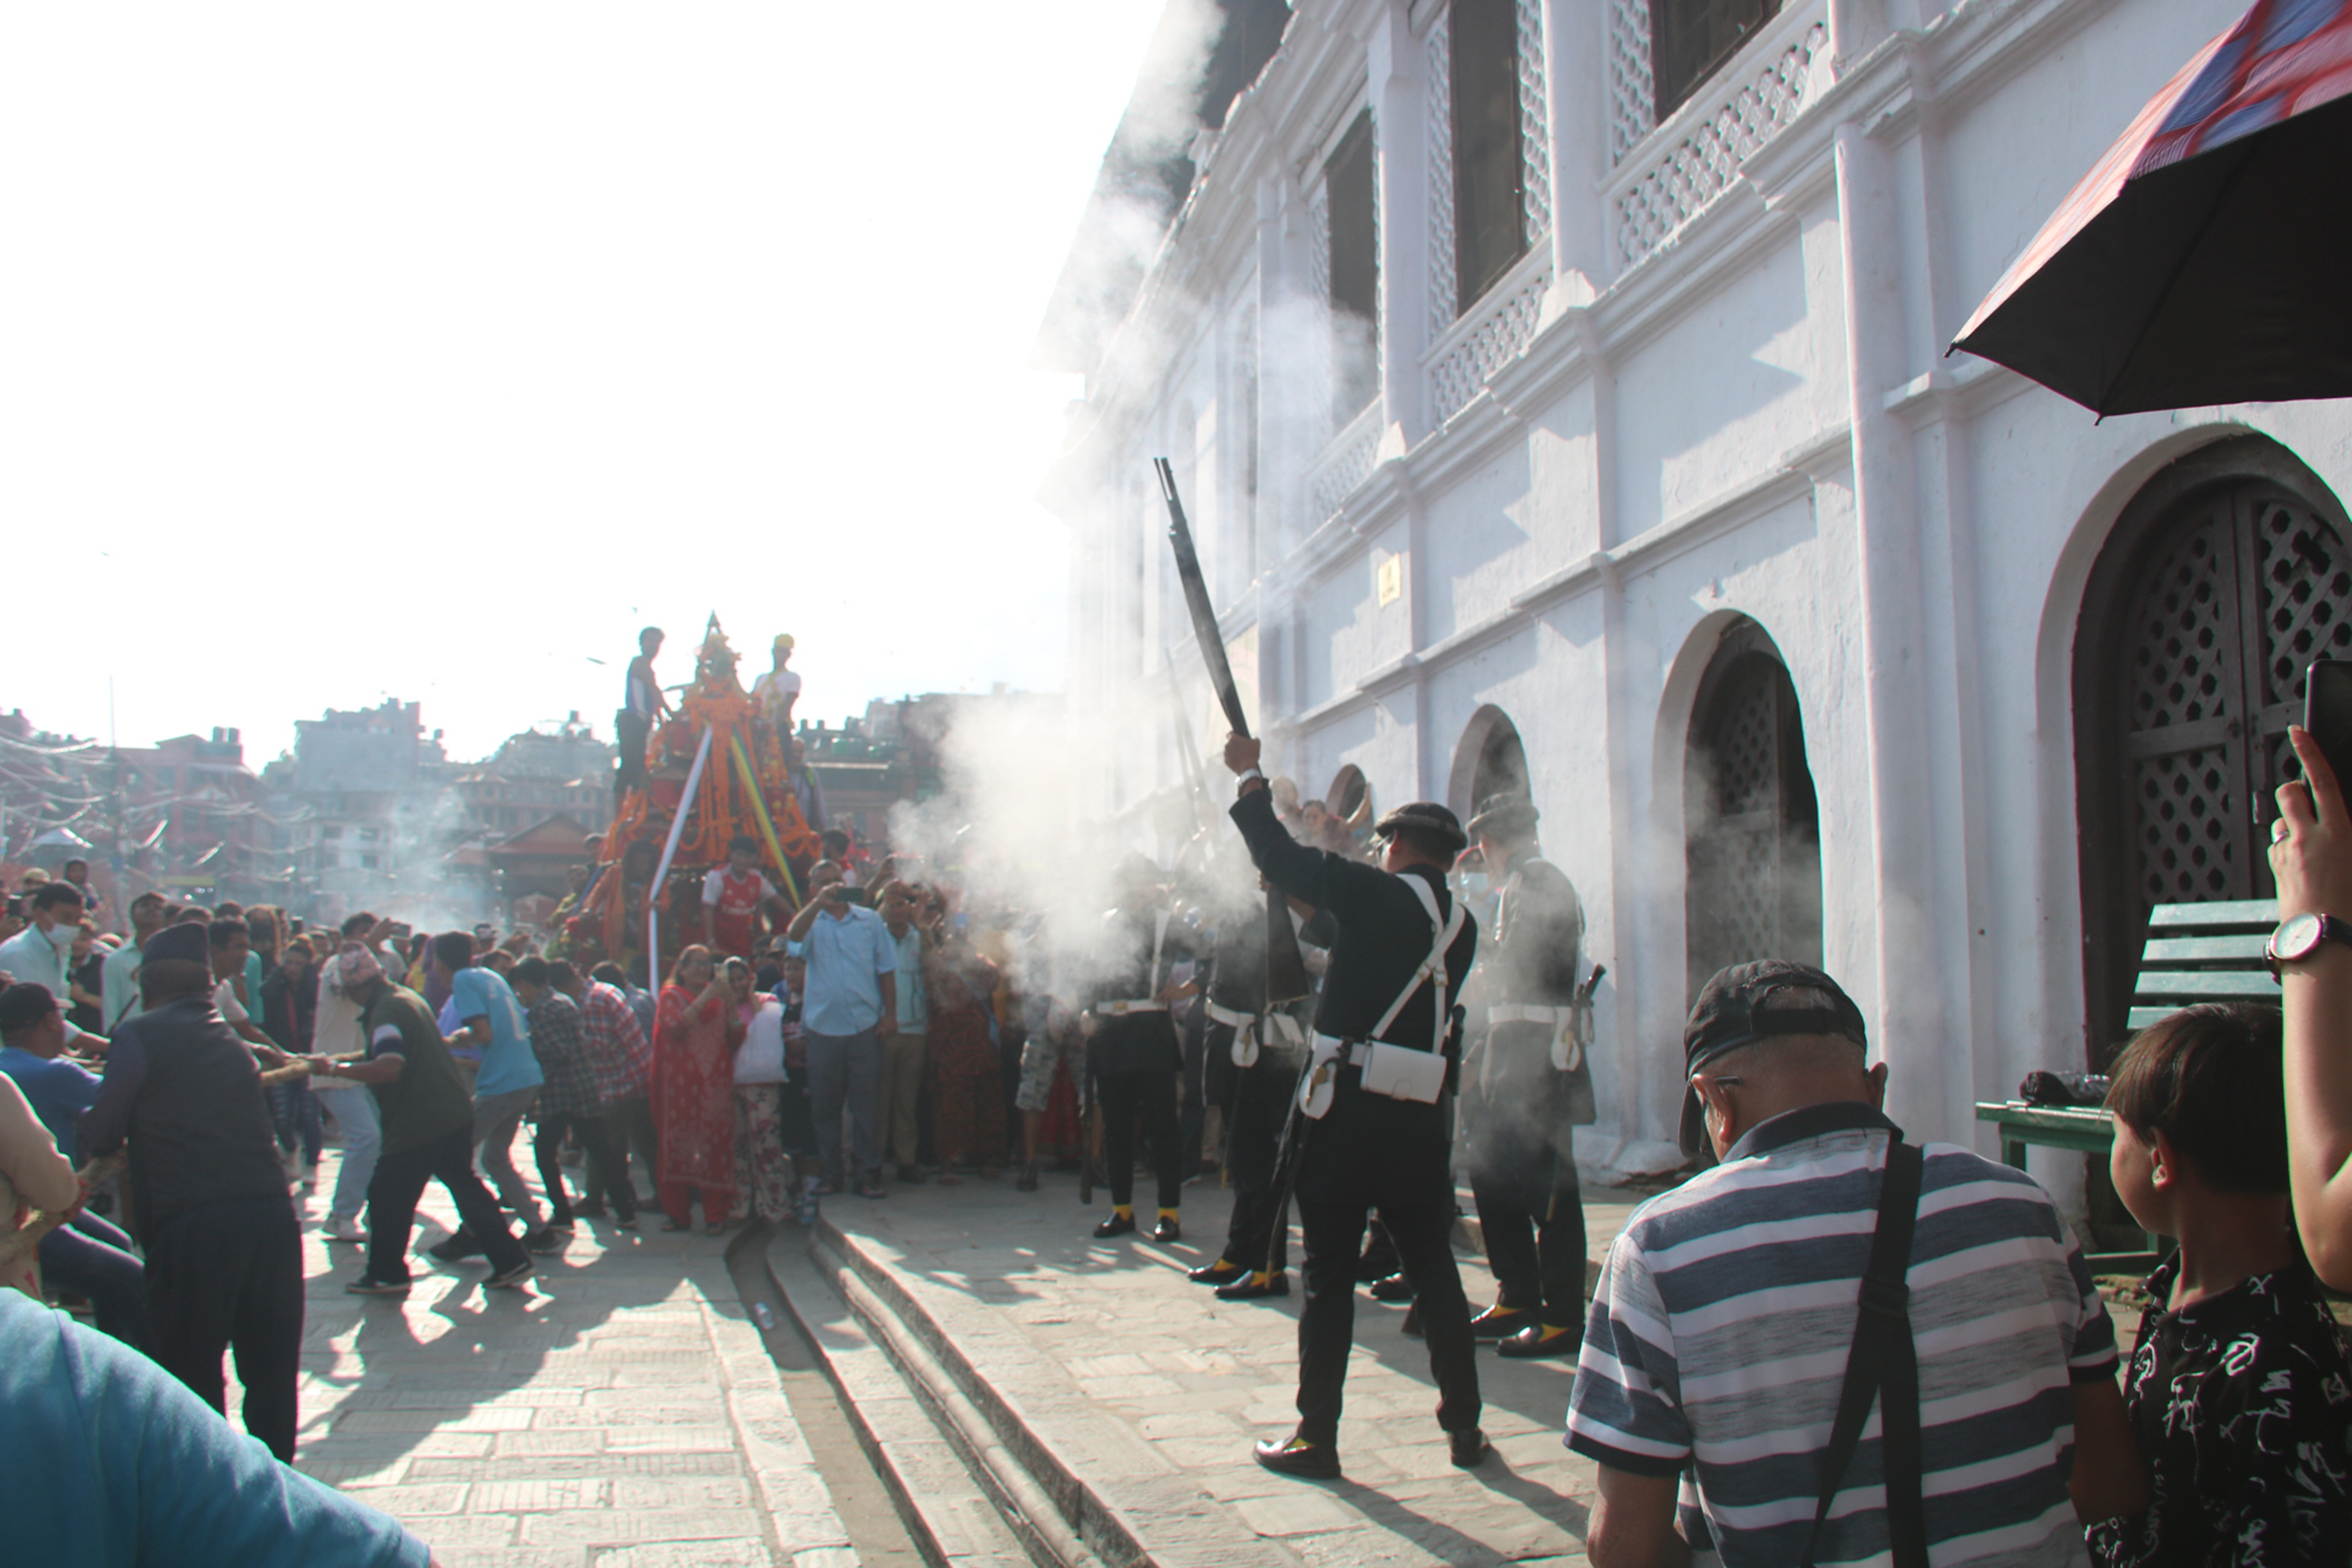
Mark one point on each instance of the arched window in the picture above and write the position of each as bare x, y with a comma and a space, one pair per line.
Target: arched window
1750, 820
2223, 579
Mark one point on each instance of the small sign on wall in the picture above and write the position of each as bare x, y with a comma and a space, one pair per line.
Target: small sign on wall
1391, 580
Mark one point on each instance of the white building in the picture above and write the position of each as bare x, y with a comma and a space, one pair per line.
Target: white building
1558, 385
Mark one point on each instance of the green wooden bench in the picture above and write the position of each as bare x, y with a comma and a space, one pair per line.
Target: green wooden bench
2195, 953
2203, 952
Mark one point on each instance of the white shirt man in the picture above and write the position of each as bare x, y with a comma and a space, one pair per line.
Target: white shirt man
41, 952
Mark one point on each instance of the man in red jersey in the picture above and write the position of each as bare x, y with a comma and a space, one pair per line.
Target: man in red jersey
733, 896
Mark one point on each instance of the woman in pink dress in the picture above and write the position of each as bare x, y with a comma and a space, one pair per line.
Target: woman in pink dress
696, 1030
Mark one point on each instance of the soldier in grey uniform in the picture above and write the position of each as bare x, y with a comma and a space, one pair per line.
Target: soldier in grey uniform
1134, 1047
1525, 1087
1254, 1053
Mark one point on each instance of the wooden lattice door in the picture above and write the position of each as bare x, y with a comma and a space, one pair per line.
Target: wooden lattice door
2221, 603
1749, 814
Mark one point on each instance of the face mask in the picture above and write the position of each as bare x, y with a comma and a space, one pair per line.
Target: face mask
62, 934
1475, 884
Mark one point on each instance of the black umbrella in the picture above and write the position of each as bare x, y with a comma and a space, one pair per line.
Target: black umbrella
2208, 258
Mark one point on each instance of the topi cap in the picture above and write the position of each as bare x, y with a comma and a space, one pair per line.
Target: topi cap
190, 942
1425, 816
1504, 813
355, 966
24, 1005
1731, 1013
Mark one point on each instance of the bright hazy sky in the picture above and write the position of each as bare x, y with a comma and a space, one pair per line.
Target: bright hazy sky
427, 351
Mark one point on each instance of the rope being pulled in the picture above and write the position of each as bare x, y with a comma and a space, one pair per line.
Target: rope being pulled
20, 1244
16, 1248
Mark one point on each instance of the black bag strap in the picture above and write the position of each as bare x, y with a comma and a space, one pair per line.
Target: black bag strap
1884, 1366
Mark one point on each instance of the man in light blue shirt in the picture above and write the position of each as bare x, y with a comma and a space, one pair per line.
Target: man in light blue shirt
491, 1020
904, 1033
119, 988
851, 985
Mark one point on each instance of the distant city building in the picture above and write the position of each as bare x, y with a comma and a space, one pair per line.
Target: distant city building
358, 803
535, 774
192, 817
537, 862
524, 814
862, 770
185, 815
41, 785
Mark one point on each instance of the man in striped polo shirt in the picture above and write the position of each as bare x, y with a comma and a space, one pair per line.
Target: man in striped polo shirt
1718, 1340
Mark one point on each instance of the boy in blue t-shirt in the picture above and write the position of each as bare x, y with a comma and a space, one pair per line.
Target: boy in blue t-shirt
483, 1018
2239, 1389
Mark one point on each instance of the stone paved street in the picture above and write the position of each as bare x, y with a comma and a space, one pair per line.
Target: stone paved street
1144, 1391
622, 1412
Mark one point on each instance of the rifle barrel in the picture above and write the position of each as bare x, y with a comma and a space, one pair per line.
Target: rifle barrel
1211, 637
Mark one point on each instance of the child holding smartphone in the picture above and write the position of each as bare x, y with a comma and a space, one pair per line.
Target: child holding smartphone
2239, 1389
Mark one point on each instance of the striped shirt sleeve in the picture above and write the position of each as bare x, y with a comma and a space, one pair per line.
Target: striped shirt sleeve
1625, 1411
2093, 1357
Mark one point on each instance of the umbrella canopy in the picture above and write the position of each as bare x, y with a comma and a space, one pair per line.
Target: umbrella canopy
2204, 259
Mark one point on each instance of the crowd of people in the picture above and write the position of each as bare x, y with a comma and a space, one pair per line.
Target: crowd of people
886, 1030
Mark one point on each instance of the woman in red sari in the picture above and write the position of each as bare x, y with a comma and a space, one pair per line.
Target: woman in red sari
695, 1031
967, 1073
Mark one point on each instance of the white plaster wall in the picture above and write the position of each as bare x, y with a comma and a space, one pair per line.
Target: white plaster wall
1718, 394
1489, 537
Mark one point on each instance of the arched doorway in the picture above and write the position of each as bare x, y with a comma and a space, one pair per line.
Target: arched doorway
2222, 579
1488, 759
1502, 765
1349, 800
1751, 823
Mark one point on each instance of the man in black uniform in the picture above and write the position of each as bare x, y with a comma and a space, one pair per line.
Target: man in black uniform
1525, 1088
223, 1252
1375, 1095
1136, 1056
1256, 1051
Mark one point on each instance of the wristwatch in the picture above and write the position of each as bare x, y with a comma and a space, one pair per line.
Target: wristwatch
1245, 778
2299, 936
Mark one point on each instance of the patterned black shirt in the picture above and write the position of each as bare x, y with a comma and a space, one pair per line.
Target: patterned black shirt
2242, 1406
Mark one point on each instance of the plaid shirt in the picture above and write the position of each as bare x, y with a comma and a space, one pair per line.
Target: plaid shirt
618, 1052
568, 1085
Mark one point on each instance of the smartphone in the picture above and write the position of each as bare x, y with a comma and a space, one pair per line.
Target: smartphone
2327, 714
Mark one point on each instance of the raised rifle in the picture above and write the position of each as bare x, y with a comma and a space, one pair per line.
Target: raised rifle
1196, 779
1285, 972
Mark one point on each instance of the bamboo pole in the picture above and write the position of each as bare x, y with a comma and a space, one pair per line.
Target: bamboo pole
767, 828
669, 852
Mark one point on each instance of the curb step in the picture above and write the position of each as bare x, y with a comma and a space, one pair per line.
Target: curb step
968, 1502
1188, 1528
